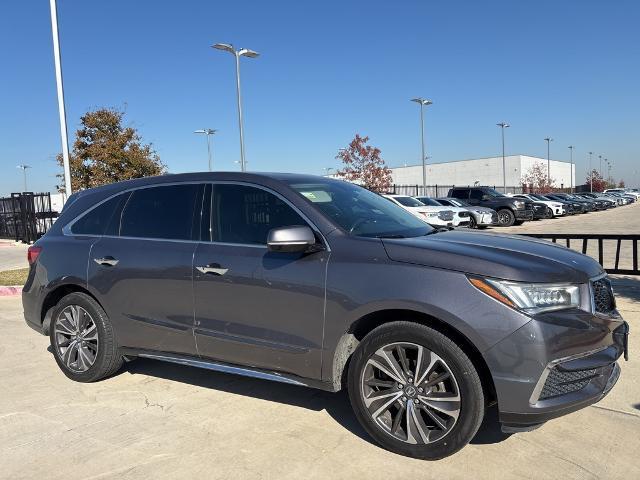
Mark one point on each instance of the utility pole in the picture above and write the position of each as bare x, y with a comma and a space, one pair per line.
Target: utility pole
24, 173
548, 140
423, 103
590, 172
571, 147
502, 126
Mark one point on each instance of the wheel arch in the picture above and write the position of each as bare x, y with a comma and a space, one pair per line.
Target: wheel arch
54, 296
367, 323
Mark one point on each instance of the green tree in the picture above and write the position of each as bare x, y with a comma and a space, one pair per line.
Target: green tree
362, 164
105, 151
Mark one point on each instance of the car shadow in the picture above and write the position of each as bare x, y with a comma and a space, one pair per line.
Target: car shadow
337, 405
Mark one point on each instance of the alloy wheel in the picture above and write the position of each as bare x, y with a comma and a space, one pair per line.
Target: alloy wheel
410, 393
76, 338
504, 218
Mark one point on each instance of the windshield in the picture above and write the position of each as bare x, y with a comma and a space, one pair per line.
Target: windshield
361, 212
429, 201
458, 203
408, 201
493, 193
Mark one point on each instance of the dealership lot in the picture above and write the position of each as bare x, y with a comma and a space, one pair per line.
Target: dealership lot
155, 420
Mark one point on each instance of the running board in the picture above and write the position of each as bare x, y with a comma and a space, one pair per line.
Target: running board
224, 368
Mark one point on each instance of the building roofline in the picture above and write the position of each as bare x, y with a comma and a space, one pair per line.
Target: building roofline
480, 158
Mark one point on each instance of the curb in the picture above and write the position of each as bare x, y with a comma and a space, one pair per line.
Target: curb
10, 291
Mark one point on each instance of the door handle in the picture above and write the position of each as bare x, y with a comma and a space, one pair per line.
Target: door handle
108, 261
213, 269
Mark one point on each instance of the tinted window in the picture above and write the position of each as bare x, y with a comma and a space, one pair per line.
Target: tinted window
160, 212
359, 211
409, 202
462, 193
477, 194
243, 214
96, 221
430, 201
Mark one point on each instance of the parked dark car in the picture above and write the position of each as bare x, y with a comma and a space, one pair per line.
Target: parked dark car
567, 205
511, 211
318, 282
587, 204
577, 206
608, 202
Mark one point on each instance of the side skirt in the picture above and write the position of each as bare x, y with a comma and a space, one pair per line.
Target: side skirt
228, 368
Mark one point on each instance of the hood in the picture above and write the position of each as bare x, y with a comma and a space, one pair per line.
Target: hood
510, 257
429, 208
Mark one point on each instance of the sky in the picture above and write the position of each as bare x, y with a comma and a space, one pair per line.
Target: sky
327, 70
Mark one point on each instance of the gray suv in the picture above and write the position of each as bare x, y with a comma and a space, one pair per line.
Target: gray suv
321, 283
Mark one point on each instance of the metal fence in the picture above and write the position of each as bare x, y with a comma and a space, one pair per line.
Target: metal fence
625, 259
436, 191
26, 216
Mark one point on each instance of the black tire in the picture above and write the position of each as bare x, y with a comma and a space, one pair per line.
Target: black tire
472, 222
548, 214
107, 359
471, 406
506, 218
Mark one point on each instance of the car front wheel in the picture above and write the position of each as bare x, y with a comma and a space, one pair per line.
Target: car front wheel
414, 391
506, 218
83, 340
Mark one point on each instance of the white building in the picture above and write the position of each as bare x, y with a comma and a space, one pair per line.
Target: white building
483, 171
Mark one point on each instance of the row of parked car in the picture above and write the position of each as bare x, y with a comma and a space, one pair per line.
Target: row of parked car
481, 207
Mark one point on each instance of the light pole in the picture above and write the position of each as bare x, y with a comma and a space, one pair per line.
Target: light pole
590, 172
502, 126
423, 103
571, 147
600, 157
548, 140
61, 111
24, 173
243, 52
208, 132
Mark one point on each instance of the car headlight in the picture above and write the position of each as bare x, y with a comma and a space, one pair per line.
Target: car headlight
531, 298
429, 214
519, 204
479, 212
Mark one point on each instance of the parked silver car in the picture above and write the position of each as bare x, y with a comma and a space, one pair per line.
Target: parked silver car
480, 217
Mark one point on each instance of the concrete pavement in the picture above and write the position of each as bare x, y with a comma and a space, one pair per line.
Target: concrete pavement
156, 420
12, 255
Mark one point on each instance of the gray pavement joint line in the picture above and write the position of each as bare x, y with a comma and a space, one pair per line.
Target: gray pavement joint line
560, 457
615, 410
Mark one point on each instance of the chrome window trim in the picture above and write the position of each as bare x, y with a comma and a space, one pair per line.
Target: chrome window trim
66, 230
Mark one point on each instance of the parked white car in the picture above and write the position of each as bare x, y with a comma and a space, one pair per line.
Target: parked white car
557, 208
434, 216
624, 191
463, 214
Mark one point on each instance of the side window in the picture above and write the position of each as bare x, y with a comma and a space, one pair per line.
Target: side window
476, 194
243, 214
160, 212
462, 193
99, 220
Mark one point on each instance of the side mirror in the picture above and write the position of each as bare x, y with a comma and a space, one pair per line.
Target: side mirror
295, 238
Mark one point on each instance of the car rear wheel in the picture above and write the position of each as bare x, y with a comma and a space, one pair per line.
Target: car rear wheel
414, 391
82, 339
548, 213
506, 218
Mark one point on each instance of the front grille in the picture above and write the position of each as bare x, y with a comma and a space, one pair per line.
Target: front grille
446, 215
539, 208
603, 299
528, 206
560, 383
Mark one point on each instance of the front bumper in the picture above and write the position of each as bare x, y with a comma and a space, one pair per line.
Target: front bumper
556, 364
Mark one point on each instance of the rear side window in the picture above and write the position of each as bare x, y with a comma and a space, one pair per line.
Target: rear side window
99, 220
160, 212
477, 194
462, 193
244, 214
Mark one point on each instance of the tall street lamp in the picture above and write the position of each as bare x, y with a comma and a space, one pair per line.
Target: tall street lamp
208, 132
502, 126
600, 158
423, 103
243, 52
571, 147
590, 172
548, 140
24, 173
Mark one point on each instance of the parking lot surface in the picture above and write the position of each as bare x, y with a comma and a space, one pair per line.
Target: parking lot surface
157, 420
